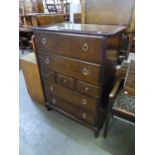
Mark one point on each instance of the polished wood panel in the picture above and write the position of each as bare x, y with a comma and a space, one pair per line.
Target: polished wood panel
75, 111
71, 96
85, 29
89, 72
66, 81
88, 89
32, 78
81, 47
114, 42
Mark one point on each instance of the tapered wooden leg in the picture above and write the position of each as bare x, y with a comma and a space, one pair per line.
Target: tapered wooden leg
48, 108
96, 133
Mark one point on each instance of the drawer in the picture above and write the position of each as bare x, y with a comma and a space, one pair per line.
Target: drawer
84, 47
71, 109
88, 89
66, 81
48, 75
81, 70
71, 96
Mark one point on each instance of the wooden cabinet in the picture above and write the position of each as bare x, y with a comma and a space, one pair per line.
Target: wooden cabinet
77, 66
32, 78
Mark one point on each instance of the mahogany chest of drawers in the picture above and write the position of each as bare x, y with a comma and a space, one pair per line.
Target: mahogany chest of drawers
77, 67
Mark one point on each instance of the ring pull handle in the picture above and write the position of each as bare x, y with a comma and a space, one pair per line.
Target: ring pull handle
48, 74
65, 81
84, 101
51, 88
85, 47
83, 115
47, 61
53, 101
86, 89
44, 41
85, 71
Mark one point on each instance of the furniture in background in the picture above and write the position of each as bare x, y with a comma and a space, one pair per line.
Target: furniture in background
112, 12
32, 78
77, 67
30, 6
77, 18
122, 96
25, 41
57, 6
39, 19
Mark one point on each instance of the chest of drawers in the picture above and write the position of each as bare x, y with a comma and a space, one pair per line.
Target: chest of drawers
77, 67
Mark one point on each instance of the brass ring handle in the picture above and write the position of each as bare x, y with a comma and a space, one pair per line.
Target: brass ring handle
85, 71
86, 89
54, 101
44, 41
51, 88
48, 74
83, 115
84, 101
85, 47
47, 61
65, 81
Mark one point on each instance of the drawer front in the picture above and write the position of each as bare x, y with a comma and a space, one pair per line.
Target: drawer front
66, 81
88, 89
71, 96
48, 75
71, 109
88, 48
89, 72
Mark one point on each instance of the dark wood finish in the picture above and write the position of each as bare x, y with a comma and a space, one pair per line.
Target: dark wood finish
82, 114
88, 89
71, 96
96, 128
86, 29
48, 75
78, 69
66, 81
84, 56
71, 45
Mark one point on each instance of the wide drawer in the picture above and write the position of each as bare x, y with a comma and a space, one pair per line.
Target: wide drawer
71, 96
81, 70
71, 109
83, 47
88, 89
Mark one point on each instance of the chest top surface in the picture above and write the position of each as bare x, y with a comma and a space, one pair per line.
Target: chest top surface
90, 29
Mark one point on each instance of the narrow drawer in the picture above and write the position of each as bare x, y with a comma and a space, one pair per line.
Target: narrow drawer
48, 75
84, 47
81, 70
88, 89
66, 81
71, 96
71, 109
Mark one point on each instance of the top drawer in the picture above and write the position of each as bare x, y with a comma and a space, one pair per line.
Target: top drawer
83, 47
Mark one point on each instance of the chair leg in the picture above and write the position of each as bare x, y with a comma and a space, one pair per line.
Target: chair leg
106, 125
